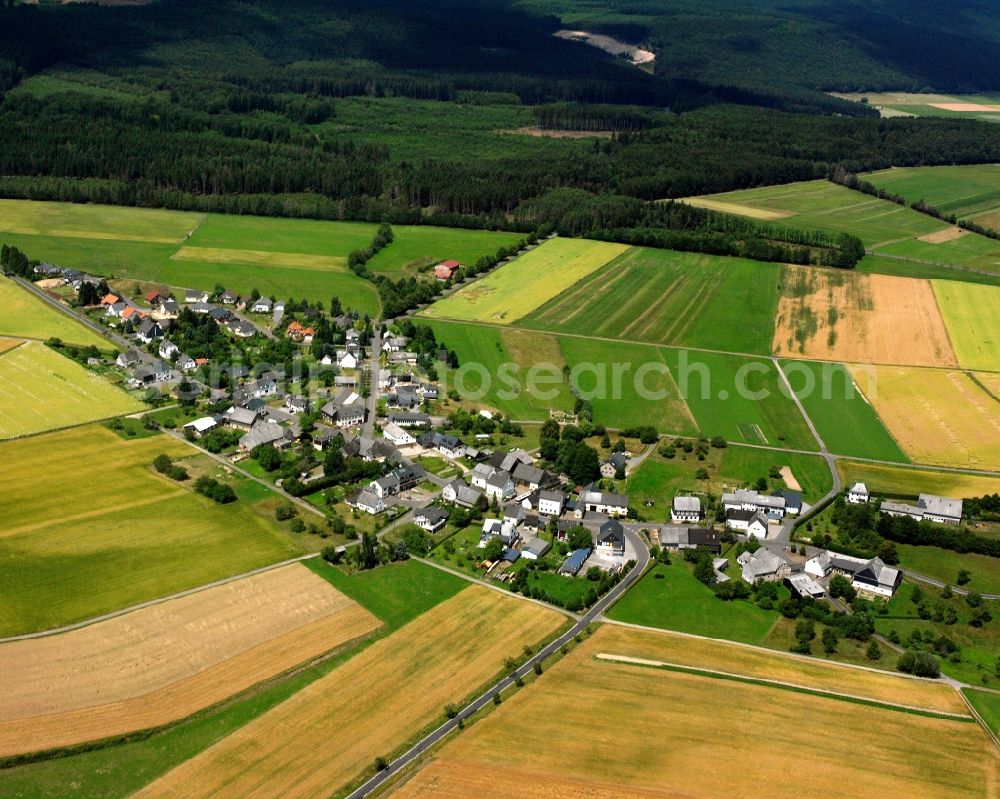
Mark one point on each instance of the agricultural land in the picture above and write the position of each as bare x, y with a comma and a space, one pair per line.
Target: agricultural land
103, 531
899, 481
972, 316
162, 663
927, 104
42, 390
597, 681
325, 736
26, 316
968, 192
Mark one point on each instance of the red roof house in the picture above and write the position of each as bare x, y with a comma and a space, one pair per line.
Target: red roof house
446, 270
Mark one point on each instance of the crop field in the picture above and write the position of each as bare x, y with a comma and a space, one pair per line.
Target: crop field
971, 251
901, 482
972, 316
741, 399
832, 314
164, 662
968, 192
328, 734
664, 729
414, 246
27, 316
667, 297
518, 288
903, 104
844, 418
70, 552
68, 220
937, 416
989, 381
881, 265
42, 390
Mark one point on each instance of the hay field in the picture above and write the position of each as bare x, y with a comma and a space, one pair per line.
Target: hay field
519, 287
71, 220
8, 344
667, 297
840, 315
741, 209
655, 733
937, 416
897, 481
328, 734
27, 316
162, 663
414, 246
972, 316
322, 263
42, 390
89, 528
969, 192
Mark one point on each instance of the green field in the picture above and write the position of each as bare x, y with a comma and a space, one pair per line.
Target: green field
271, 234
972, 316
26, 316
667, 297
743, 465
970, 250
903, 482
965, 191
96, 221
677, 601
42, 390
90, 528
845, 420
739, 398
518, 288
881, 265
945, 565
414, 246
987, 705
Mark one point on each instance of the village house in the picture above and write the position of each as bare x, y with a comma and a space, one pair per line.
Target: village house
262, 434
149, 330
407, 420
500, 486
747, 521
868, 575
496, 528
857, 494
818, 566
678, 538
185, 363
747, 499
445, 443
364, 500
192, 296
430, 519
609, 504
530, 478
611, 537
241, 418
347, 359
262, 305
202, 426
397, 436
685, 509
344, 415
393, 343
169, 308
156, 296
241, 328
262, 388
153, 372
551, 503
458, 493
617, 462
167, 348
763, 565
228, 297
297, 404
128, 359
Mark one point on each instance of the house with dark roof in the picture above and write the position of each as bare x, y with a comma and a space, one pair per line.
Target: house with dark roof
365, 500
604, 502
747, 521
572, 565
763, 565
262, 434
611, 537
535, 549
617, 461
678, 538
407, 420
551, 502
873, 575
430, 519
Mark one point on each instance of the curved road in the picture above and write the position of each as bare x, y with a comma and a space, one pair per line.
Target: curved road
434, 737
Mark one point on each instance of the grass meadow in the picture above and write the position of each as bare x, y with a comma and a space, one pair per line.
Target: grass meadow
972, 316
96, 221
843, 417
90, 528
743, 465
519, 287
416, 246
667, 297
26, 316
42, 390
987, 705
902, 482
944, 564
966, 191
880, 265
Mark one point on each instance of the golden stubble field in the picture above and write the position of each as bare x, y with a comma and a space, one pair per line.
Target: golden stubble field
592, 729
841, 315
330, 732
162, 663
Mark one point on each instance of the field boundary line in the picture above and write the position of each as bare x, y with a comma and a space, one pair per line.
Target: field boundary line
782, 684
982, 722
153, 602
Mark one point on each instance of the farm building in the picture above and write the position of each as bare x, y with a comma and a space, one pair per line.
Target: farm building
241, 418
818, 566
872, 576
747, 499
572, 565
535, 548
804, 585
929, 507
604, 502
407, 420
262, 434
685, 509
201, 426
446, 269
679, 538
763, 565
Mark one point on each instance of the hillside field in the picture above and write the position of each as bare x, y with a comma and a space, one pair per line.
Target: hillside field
927, 104
937, 416
644, 707
414, 246
42, 390
26, 316
164, 662
901, 482
972, 316
89, 527
515, 289
668, 297
843, 417
968, 192
328, 734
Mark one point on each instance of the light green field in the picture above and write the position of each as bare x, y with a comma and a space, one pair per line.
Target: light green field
739, 398
744, 465
271, 234
95, 221
970, 250
965, 191
42, 390
924, 104
988, 706
902, 482
89, 527
518, 288
881, 265
414, 246
944, 564
667, 297
972, 316
845, 420
26, 316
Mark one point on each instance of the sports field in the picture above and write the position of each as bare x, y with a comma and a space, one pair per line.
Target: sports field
662, 732
937, 416
329, 734
415, 246
968, 192
836, 314
68, 552
972, 316
897, 481
667, 297
162, 663
27, 316
844, 418
518, 288
43, 390
741, 399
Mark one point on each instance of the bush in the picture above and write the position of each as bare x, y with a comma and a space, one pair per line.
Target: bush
177, 473
284, 512
214, 490
331, 554
162, 463
919, 664
297, 525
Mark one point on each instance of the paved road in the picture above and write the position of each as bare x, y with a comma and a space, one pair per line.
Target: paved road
433, 738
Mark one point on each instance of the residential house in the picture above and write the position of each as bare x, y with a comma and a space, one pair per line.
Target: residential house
264, 433
605, 502
496, 528
347, 359
408, 420
610, 467
500, 486
169, 308
430, 519
153, 372
872, 576
747, 521
229, 297
857, 494
128, 359
393, 343
149, 330
428, 392
262, 305
192, 296
611, 537
572, 565
344, 415
261, 388
241, 328
221, 315
168, 348
397, 436
747, 499
298, 332
793, 500
763, 565
685, 509
322, 436
117, 309
200, 308
514, 513
241, 418
186, 363
818, 566
203, 425
535, 549
551, 502
155, 297
385, 486
297, 404
109, 299
481, 473
508, 461
365, 500
445, 443
678, 538
531, 478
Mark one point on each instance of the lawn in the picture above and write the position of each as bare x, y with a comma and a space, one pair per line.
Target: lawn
42, 390
516, 289
902, 482
27, 316
667, 297
677, 601
845, 420
972, 316
944, 564
90, 528
987, 705
414, 246
740, 399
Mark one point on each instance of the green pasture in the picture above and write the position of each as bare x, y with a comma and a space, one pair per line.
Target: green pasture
987, 704
415, 246
95, 221
966, 191
944, 564
971, 251
881, 265
741, 466
273, 234
972, 316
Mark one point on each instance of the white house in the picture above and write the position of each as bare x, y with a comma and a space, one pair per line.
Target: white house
685, 509
551, 503
747, 521
495, 528
481, 473
167, 348
500, 486
368, 502
347, 359
263, 305
605, 502
611, 537
818, 566
397, 436
773, 507
202, 425
430, 519
871, 576
858, 494
535, 549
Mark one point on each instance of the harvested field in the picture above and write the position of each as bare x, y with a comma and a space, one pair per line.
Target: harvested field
941, 236
755, 212
8, 344
898, 481
848, 316
937, 416
972, 317
328, 734
664, 728
990, 381
27, 316
164, 662
551, 133
967, 108
325, 263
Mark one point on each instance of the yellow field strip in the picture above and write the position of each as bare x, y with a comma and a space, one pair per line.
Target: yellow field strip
318, 263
